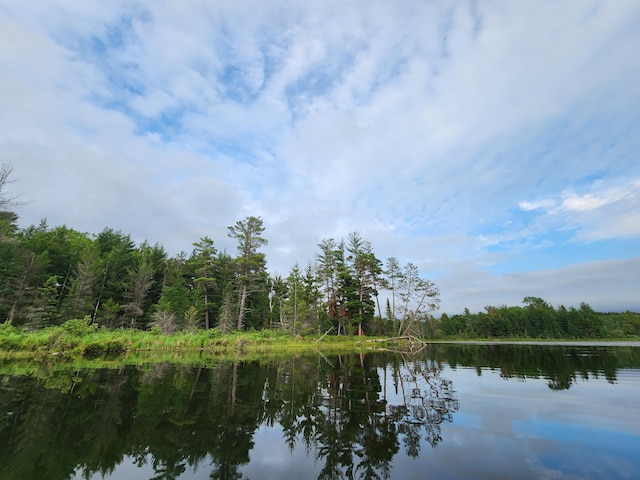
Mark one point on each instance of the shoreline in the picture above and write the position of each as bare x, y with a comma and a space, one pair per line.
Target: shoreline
577, 343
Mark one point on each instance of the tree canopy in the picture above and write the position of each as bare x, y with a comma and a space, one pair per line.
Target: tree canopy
49, 275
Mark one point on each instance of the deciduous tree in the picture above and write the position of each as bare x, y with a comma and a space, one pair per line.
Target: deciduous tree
6, 199
418, 296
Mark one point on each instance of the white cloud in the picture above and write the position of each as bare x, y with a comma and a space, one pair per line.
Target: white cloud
536, 205
605, 212
431, 128
588, 201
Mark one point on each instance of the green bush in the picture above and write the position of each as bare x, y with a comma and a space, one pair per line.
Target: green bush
79, 328
6, 329
10, 337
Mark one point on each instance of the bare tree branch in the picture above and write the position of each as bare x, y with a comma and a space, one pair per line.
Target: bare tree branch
7, 200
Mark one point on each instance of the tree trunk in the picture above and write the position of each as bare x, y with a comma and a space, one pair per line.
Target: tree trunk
206, 308
21, 288
243, 299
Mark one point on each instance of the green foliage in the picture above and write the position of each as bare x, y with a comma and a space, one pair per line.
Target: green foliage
538, 320
250, 264
52, 276
79, 327
11, 338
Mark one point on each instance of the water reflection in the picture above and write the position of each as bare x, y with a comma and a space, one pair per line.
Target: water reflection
560, 365
339, 409
353, 416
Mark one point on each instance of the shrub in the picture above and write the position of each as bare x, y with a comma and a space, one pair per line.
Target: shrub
10, 337
79, 328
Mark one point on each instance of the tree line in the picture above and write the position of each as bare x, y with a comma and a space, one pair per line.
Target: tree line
51, 275
539, 319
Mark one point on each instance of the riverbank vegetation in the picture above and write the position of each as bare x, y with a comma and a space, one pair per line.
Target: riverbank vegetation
64, 290
78, 339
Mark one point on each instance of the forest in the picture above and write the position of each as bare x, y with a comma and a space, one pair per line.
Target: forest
50, 275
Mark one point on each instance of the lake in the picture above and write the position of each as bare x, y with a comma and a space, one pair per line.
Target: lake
452, 411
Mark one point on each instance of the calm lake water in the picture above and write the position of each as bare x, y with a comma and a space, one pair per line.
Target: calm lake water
450, 412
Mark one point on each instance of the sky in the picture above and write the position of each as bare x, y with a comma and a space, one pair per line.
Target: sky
496, 145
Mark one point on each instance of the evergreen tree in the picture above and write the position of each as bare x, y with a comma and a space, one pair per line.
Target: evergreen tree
178, 287
10, 252
81, 299
366, 270
227, 313
115, 270
393, 273
294, 305
328, 259
23, 285
203, 261
311, 296
250, 263
44, 310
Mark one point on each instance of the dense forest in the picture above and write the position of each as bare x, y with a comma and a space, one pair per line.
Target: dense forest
539, 319
51, 275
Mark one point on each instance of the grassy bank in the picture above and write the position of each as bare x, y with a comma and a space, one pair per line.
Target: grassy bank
76, 339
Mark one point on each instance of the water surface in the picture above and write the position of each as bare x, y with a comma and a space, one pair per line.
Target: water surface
453, 411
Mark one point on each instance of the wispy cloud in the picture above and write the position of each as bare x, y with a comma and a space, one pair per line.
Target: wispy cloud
599, 199
603, 212
537, 205
415, 122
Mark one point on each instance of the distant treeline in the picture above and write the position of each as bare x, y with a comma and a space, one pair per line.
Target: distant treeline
539, 319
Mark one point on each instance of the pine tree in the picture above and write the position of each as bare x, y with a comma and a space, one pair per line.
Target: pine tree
250, 263
203, 261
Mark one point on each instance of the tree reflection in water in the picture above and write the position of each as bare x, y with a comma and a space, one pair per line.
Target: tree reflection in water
352, 413
350, 423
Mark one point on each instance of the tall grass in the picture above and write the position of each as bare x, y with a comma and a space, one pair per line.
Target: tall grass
80, 339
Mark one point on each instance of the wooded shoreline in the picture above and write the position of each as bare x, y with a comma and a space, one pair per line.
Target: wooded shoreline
59, 278
77, 339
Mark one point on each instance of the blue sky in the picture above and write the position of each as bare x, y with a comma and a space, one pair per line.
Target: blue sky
494, 144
